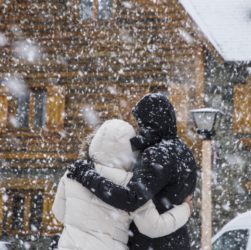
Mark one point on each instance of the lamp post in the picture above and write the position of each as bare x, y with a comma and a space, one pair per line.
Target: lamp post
206, 121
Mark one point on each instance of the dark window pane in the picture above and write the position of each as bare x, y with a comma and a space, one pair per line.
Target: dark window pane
22, 114
40, 108
105, 9
36, 209
85, 9
232, 240
17, 211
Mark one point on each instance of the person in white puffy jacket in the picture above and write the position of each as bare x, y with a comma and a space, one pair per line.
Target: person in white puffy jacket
91, 224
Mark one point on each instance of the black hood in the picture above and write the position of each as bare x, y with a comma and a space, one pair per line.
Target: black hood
156, 118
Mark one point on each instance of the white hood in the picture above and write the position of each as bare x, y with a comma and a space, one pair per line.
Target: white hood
111, 145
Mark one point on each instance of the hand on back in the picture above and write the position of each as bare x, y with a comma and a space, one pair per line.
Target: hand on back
189, 201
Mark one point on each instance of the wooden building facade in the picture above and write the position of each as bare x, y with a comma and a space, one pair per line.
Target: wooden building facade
67, 65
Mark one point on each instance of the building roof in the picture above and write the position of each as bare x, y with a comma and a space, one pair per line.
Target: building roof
226, 24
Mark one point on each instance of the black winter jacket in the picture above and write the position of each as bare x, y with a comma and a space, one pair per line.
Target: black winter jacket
165, 173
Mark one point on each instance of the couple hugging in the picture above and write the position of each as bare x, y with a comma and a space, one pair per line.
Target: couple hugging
134, 190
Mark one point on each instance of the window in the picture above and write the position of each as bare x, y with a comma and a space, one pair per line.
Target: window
31, 110
105, 7
232, 240
36, 210
22, 115
26, 208
17, 222
39, 108
24, 213
86, 9
101, 9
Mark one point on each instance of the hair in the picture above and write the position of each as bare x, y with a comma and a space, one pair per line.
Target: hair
84, 147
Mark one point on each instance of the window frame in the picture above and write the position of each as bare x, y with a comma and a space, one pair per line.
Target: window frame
54, 111
23, 102
29, 187
43, 114
14, 222
13, 109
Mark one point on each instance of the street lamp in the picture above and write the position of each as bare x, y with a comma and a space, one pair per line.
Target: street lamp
206, 121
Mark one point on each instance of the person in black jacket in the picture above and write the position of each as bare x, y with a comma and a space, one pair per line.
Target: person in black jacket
165, 172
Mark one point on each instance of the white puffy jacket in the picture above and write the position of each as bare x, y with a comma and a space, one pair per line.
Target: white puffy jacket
91, 224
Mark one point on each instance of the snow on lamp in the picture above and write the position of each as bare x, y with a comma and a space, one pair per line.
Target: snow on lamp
206, 121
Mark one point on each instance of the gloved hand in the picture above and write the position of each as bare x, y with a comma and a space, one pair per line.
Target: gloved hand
145, 138
80, 169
